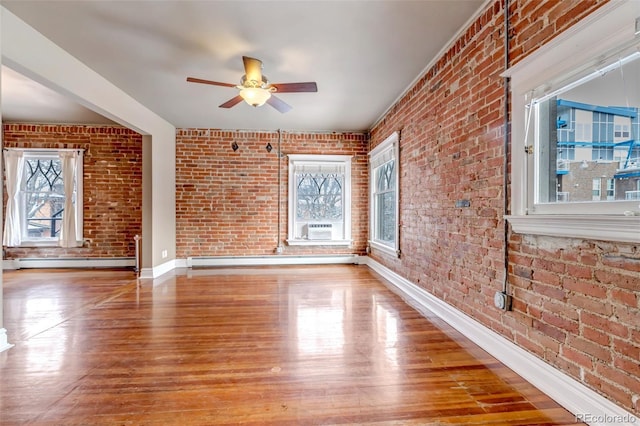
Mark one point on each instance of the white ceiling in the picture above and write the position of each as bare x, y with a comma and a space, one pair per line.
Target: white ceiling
362, 54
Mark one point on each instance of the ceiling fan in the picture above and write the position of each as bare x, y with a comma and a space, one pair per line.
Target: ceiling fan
255, 89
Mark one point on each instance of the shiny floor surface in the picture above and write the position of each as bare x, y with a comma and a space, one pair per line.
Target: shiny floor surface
282, 346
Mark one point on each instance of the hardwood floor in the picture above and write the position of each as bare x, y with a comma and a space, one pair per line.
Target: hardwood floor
283, 346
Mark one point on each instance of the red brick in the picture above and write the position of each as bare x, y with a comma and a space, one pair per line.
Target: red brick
234, 194
584, 287
625, 297
596, 336
112, 185
604, 324
577, 357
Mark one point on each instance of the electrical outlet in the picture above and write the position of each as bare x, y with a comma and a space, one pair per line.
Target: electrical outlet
164, 254
502, 301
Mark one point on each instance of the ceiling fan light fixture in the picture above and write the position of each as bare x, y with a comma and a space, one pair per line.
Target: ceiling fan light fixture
255, 96
256, 90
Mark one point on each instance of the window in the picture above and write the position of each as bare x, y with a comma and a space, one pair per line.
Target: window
566, 152
589, 101
602, 152
595, 189
319, 200
383, 174
611, 189
621, 131
44, 205
583, 125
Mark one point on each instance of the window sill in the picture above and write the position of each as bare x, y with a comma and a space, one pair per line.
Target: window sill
27, 244
46, 244
383, 248
590, 227
319, 242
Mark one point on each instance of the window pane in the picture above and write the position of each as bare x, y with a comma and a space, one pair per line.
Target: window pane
43, 197
587, 133
319, 196
386, 203
319, 199
385, 176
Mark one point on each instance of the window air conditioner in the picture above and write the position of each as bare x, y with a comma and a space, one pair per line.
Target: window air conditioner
319, 231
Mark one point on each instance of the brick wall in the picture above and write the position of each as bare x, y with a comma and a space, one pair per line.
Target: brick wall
227, 202
576, 303
112, 185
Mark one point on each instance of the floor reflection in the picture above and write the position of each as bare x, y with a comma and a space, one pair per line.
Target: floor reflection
386, 332
299, 345
320, 328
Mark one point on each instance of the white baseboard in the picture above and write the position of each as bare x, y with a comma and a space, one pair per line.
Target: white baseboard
587, 405
10, 264
156, 271
270, 260
4, 344
71, 262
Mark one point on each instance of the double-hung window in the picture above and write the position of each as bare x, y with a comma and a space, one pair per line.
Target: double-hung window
44, 203
576, 130
384, 177
319, 199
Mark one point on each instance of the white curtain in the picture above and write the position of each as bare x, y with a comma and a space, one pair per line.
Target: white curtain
319, 167
13, 168
68, 236
383, 157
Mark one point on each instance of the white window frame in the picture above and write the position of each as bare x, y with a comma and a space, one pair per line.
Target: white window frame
596, 189
54, 241
311, 160
576, 52
611, 189
388, 149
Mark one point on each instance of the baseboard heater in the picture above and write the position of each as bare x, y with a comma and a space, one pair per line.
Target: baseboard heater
205, 261
71, 262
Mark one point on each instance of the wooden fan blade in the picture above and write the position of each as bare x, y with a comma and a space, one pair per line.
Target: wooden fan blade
279, 104
215, 83
232, 102
310, 86
252, 68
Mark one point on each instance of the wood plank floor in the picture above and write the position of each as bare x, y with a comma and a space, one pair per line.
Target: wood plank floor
282, 346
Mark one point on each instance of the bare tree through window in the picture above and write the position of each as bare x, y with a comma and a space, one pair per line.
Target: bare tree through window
319, 196
43, 196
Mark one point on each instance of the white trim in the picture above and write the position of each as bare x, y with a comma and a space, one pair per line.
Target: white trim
387, 145
4, 344
319, 242
45, 151
72, 262
576, 52
566, 391
272, 260
156, 271
605, 228
314, 160
78, 174
10, 264
320, 158
181, 263
578, 48
383, 248
390, 145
